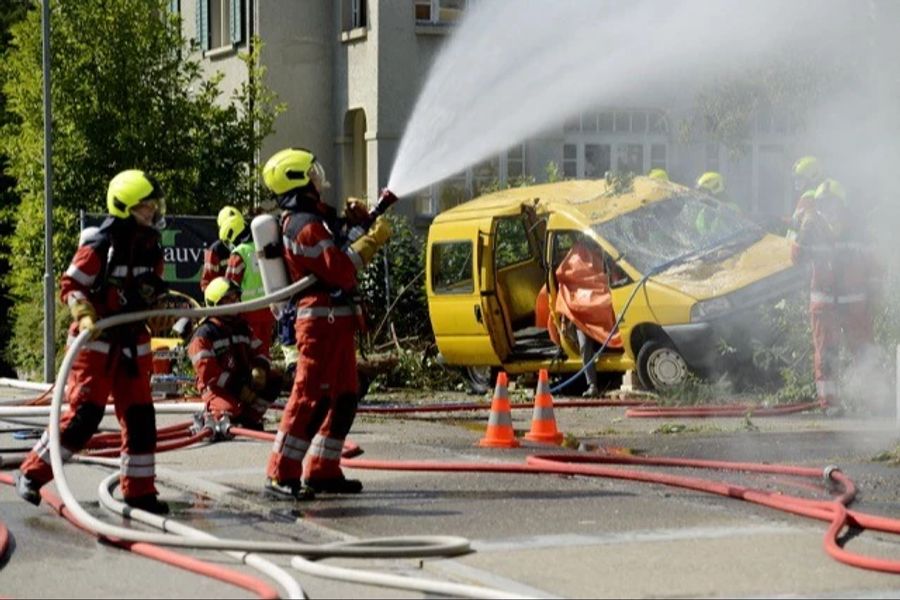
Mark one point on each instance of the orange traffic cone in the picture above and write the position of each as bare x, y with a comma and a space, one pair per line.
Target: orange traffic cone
543, 421
500, 432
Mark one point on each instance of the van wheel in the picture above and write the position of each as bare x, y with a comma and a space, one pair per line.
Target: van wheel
660, 366
481, 379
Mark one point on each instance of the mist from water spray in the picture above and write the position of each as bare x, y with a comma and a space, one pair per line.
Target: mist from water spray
515, 69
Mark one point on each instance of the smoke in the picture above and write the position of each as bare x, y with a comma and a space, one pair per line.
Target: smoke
514, 69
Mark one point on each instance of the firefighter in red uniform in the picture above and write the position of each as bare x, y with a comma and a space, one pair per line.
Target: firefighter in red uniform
808, 176
243, 270
215, 258
833, 241
234, 376
118, 270
324, 398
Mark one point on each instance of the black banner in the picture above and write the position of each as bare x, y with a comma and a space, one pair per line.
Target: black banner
184, 239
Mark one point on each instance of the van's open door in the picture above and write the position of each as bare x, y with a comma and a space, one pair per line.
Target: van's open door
454, 298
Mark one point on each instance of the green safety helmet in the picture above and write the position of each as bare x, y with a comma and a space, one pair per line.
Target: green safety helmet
128, 189
231, 228
290, 169
830, 187
658, 174
218, 288
711, 183
809, 168
227, 211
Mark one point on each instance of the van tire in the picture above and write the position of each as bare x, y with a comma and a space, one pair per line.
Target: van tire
481, 379
661, 367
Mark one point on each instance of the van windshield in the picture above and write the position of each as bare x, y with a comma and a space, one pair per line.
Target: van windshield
680, 225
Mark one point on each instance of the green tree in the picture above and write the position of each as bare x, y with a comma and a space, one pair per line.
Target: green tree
11, 11
126, 93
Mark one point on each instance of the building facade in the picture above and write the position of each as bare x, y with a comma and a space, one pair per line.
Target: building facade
350, 72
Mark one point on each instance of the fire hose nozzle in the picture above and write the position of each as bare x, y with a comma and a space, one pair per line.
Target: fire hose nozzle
828, 472
386, 200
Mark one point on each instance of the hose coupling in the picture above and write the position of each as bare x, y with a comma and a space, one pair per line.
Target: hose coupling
828, 472
222, 429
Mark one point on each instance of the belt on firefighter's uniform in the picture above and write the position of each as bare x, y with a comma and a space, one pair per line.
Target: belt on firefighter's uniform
328, 312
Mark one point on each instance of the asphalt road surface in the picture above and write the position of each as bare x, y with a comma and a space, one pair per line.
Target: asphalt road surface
534, 535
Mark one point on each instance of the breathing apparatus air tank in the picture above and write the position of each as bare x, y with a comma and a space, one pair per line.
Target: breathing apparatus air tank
266, 233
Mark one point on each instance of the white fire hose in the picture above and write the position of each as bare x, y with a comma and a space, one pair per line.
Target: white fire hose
392, 547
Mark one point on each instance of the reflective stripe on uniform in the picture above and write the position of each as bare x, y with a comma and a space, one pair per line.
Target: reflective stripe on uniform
201, 355
323, 311
80, 276
139, 465
221, 343
142, 350
223, 379
307, 251
122, 271
236, 269
290, 446
42, 449
327, 448
256, 343
824, 298
238, 339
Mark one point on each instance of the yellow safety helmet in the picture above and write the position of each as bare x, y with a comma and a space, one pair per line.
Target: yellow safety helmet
290, 169
231, 228
227, 211
218, 288
809, 168
128, 189
658, 174
711, 183
830, 187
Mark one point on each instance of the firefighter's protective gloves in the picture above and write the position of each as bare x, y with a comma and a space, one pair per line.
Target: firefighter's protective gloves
377, 236
258, 378
86, 317
247, 395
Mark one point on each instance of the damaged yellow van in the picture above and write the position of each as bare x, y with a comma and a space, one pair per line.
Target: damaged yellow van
689, 286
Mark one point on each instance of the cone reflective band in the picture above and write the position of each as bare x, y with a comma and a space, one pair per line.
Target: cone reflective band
500, 432
543, 421
267, 238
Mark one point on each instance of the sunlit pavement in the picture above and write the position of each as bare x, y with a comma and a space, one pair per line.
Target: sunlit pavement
533, 535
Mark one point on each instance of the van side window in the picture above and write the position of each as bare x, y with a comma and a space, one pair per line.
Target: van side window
451, 268
512, 245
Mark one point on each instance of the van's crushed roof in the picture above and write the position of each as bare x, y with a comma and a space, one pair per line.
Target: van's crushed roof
591, 197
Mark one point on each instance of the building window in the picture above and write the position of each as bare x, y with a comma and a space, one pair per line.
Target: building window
353, 14
570, 161
515, 163
220, 23
630, 158
658, 156
439, 12
597, 160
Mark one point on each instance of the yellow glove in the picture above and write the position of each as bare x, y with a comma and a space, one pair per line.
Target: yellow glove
368, 245
84, 313
258, 378
380, 231
246, 395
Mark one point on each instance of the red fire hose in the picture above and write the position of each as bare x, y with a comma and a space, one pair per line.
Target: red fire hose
253, 585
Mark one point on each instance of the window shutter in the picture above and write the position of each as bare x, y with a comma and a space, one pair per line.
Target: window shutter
203, 24
236, 16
